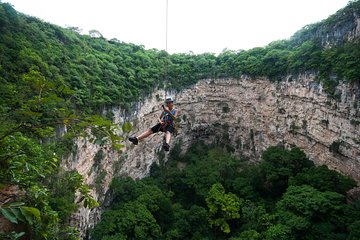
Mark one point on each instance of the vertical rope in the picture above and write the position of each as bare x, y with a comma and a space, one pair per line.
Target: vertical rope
166, 44
166, 27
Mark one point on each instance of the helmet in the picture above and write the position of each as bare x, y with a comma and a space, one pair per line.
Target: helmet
169, 99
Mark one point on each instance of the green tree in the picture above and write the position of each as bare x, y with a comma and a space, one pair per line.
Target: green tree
279, 165
278, 232
312, 214
324, 179
354, 230
248, 235
132, 221
223, 207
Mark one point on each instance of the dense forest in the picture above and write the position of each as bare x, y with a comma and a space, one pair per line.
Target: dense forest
208, 194
54, 78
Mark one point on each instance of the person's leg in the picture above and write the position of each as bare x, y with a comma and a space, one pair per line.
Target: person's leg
154, 129
135, 140
166, 145
167, 137
145, 134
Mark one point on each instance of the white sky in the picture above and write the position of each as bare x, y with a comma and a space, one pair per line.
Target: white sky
194, 25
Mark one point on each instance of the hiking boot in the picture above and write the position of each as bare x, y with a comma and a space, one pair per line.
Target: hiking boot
166, 147
134, 140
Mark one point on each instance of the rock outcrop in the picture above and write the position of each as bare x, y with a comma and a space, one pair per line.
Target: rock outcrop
339, 28
247, 115
252, 115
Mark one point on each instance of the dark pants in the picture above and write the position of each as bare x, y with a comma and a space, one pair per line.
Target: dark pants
159, 128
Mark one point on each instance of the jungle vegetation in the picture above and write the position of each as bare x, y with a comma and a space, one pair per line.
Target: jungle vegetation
208, 194
52, 77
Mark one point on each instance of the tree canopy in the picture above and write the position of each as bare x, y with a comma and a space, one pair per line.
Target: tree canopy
53, 77
240, 207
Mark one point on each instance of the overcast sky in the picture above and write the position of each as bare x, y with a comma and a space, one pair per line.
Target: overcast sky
193, 25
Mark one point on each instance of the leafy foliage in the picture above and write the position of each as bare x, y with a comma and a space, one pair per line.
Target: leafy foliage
15, 212
176, 203
312, 214
52, 77
323, 179
222, 207
34, 102
96, 73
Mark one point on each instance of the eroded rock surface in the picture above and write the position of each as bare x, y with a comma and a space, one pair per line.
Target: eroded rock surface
248, 115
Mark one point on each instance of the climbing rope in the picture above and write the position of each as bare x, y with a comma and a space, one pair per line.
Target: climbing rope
166, 25
166, 46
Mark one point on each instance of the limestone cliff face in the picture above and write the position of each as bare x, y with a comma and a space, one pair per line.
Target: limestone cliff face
251, 115
339, 28
247, 115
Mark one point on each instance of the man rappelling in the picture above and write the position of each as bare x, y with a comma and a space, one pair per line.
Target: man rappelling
166, 124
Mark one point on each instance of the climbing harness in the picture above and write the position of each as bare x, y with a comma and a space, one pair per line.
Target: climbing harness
168, 121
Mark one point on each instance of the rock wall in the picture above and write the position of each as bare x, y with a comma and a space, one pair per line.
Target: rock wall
255, 114
247, 115
337, 29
